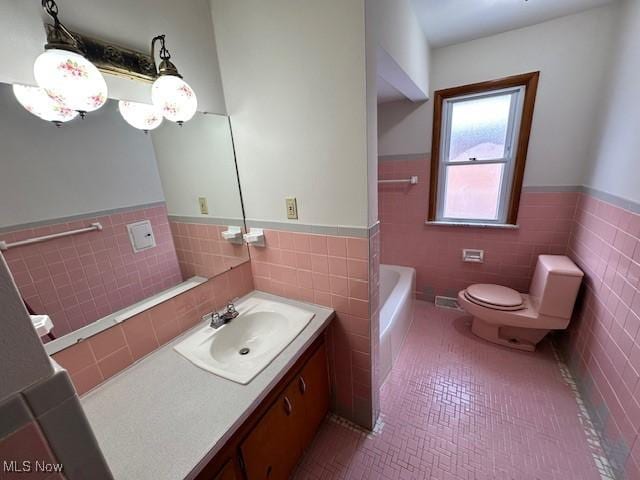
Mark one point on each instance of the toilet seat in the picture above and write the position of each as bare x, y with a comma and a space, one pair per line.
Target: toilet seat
495, 297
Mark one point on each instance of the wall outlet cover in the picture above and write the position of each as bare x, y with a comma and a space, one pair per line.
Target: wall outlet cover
204, 208
292, 208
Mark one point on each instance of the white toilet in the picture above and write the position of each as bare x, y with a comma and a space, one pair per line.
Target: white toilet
504, 316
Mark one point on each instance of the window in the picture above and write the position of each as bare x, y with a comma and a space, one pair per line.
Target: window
480, 141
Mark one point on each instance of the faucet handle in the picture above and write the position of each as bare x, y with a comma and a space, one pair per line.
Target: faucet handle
215, 320
231, 307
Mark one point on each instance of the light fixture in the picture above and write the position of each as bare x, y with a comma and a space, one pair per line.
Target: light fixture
36, 101
63, 71
69, 73
170, 93
140, 115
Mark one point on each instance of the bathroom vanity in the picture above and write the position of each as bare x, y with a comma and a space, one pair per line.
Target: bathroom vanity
270, 442
166, 418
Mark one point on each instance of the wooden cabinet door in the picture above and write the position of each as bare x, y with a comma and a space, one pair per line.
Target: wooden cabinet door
228, 472
272, 449
313, 385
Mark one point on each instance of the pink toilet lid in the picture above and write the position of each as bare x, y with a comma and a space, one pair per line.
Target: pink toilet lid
497, 295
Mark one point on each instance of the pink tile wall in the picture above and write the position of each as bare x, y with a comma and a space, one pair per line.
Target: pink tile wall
93, 361
27, 444
604, 336
334, 272
79, 279
202, 251
545, 221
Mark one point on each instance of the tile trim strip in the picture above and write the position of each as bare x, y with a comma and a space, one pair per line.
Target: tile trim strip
613, 199
552, 188
14, 414
237, 222
51, 392
342, 231
616, 200
80, 216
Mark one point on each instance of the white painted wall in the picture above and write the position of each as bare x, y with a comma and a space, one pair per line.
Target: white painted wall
187, 25
572, 55
294, 80
616, 167
196, 160
99, 163
403, 128
398, 55
22, 356
403, 55
371, 71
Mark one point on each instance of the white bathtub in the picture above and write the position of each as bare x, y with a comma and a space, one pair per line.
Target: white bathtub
397, 285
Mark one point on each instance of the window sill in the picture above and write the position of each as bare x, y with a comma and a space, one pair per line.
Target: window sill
501, 226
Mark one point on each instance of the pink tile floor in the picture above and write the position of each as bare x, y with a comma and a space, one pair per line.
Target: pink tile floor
456, 407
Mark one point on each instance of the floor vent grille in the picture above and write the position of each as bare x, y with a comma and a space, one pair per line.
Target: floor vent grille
447, 302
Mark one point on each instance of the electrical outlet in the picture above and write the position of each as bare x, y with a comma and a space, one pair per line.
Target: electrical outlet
292, 208
204, 209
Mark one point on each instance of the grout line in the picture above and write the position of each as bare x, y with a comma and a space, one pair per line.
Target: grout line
598, 453
343, 422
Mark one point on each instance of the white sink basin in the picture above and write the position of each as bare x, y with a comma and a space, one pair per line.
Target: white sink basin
264, 327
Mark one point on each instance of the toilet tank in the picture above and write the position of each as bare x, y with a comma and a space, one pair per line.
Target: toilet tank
555, 285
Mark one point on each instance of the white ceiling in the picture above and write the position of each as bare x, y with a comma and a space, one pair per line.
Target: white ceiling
447, 22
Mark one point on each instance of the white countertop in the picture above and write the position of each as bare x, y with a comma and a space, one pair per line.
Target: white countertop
165, 418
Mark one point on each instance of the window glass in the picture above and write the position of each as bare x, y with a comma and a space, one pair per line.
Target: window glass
473, 191
479, 150
479, 128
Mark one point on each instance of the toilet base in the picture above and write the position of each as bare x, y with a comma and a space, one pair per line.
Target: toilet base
512, 337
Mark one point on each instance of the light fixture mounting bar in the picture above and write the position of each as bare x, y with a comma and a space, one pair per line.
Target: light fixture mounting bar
114, 59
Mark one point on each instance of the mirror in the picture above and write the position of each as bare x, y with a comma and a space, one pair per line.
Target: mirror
162, 201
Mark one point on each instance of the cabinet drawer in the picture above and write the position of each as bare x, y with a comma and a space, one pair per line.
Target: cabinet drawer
228, 472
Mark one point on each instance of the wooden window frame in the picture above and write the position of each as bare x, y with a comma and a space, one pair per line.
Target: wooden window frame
527, 80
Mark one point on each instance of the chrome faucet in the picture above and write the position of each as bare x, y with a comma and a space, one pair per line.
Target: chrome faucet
217, 319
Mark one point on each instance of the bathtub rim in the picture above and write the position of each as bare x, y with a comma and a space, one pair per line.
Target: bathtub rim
403, 290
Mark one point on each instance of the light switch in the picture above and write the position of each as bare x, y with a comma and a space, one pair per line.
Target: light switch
292, 208
204, 208
141, 235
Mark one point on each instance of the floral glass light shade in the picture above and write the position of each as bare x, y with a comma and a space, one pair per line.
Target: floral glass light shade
175, 98
70, 79
140, 115
36, 101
